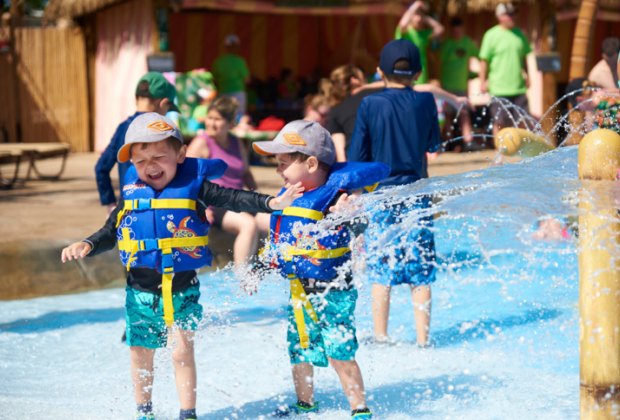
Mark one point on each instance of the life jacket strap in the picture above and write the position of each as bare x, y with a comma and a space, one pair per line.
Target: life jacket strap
303, 212
300, 301
371, 188
155, 203
320, 254
166, 286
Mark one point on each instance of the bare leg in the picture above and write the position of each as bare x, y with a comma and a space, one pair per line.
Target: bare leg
421, 296
380, 310
184, 367
244, 226
142, 373
303, 378
352, 383
262, 222
466, 127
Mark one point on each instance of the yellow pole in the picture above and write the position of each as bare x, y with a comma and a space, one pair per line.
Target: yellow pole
517, 141
599, 278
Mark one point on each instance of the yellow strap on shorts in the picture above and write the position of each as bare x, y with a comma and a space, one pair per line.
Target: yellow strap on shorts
300, 301
155, 203
132, 246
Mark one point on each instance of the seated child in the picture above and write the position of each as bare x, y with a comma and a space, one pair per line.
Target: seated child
162, 238
322, 303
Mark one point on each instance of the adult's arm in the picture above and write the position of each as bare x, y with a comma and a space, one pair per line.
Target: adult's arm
405, 19
482, 74
452, 99
248, 177
340, 142
198, 148
437, 27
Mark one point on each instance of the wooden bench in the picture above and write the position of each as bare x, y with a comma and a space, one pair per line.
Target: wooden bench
15, 153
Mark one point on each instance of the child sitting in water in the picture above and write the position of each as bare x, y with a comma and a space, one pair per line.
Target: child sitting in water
162, 238
322, 302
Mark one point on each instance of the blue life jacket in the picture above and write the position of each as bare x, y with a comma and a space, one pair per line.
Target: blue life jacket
161, 229
305, 253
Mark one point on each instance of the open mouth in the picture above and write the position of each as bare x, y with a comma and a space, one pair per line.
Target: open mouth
155, 176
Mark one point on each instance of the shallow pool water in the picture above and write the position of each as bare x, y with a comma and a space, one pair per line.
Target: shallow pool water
504, 324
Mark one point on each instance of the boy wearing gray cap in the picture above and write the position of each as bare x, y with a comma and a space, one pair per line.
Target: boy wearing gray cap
399, 126
162, 238
316, 261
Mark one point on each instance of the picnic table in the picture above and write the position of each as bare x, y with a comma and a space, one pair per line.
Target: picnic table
31, 153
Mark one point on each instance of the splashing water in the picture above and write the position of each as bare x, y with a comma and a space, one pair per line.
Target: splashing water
504, 322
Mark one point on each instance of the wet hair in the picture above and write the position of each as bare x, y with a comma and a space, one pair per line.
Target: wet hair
226, 106
340, 83
302, 157
610, 46
402, 65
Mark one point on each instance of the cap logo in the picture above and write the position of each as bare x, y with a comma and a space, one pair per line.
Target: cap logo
294, 139
160, 126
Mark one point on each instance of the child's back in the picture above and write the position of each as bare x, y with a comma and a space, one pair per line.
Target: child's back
396, 126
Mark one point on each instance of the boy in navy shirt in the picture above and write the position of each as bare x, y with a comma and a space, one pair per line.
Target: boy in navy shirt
399, 126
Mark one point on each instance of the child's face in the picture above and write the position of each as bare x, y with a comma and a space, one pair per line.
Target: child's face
216, 125
156, 163
292, 170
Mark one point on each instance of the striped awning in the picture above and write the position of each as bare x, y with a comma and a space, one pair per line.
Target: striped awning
308, 7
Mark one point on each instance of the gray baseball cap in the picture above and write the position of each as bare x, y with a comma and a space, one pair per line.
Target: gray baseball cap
307, 137
150, 127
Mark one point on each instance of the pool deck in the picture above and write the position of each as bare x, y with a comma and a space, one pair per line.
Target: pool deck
40, 217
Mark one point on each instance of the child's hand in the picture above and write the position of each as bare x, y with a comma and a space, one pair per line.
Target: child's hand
75, 250
344, 200
282, 201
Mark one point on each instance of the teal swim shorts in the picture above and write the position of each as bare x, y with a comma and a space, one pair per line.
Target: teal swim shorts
144, 316
333, 336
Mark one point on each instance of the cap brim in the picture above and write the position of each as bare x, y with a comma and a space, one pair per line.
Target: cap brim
174, 107
124, 154
270, 148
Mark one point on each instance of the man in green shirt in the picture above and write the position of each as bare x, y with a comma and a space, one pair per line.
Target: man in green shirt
418, 27
503, 70
231, 73
455, 53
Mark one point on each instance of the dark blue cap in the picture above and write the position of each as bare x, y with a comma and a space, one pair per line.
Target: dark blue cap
400, 49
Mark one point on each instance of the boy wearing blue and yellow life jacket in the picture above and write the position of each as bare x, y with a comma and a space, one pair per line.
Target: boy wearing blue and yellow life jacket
162, 239
322, 303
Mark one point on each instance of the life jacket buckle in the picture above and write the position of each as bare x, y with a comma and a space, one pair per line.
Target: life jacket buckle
142, 204
167, 262
148, 245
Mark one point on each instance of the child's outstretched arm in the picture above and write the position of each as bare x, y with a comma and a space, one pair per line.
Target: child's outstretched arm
286, 199
241, 200
75, 251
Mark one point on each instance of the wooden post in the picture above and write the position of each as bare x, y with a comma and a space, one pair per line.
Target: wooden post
599, 278
582, 40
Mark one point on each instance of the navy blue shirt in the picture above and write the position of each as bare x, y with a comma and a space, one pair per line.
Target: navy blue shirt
107, 160
396, 127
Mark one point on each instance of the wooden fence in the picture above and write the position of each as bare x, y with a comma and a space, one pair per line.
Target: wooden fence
46, 90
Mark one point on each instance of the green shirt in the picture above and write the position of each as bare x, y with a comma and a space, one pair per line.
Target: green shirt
421, 39
230, 73
455, 55
504, 50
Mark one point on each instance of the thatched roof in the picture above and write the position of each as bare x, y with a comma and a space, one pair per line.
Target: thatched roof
74, 8
57, 9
